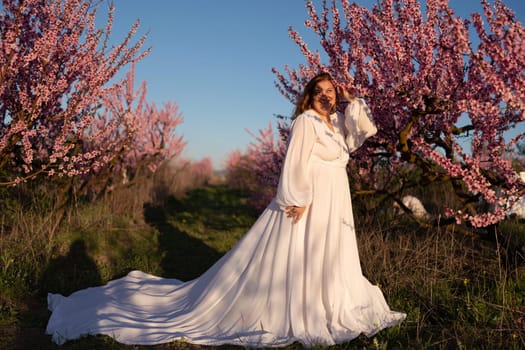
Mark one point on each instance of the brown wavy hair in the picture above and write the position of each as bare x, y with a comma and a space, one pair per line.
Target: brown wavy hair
305, 100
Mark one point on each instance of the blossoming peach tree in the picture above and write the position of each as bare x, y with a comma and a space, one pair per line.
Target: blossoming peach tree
444, 91
257, 169
56, 74
135, 135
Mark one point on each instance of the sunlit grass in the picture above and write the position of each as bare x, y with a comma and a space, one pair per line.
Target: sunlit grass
458, 292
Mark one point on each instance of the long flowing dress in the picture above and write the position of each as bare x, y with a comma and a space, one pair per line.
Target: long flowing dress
281, 283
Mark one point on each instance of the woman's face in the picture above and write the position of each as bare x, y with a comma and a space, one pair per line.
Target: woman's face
324, 97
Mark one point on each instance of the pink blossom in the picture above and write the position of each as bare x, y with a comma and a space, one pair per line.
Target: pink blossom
258, 169
441, 103
129, 135
56, 69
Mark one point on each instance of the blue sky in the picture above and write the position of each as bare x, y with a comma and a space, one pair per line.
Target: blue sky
214, 58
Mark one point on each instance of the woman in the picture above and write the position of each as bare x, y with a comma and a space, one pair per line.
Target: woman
294, 276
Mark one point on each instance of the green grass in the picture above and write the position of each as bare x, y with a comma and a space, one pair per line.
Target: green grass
458, 292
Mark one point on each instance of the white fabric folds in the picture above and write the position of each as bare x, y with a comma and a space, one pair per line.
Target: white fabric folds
358, 124
281, 283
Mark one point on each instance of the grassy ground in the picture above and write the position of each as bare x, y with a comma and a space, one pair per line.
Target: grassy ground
459, 292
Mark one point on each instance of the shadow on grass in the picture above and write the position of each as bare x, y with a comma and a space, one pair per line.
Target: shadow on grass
64, 275
183, 257
217, 207
74, 271
185, 226
185, 223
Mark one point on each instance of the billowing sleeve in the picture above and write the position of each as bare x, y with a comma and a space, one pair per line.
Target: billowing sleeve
295, 183
358, 124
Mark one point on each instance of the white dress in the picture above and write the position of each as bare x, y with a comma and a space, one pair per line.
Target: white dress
281, 283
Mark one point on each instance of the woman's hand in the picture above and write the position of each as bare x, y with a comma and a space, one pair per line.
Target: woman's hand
296, 213
345, 95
